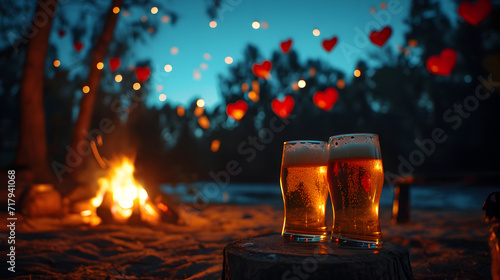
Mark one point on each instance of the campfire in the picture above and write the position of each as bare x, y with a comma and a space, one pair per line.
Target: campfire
123, 196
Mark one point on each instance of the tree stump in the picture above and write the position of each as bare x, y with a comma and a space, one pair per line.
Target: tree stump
271, 257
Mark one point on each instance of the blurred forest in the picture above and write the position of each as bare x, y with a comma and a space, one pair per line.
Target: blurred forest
400, 100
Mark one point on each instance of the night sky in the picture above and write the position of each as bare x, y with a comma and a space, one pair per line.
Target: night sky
202, 50
291, 19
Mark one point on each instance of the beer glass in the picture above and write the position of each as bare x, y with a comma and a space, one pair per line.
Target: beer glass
356, 178
304, 186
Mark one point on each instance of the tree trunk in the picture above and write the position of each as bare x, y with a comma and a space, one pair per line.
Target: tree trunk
32, 147
84, 119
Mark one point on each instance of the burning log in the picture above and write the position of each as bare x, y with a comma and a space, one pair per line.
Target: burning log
125, 195
167, 212
119, 198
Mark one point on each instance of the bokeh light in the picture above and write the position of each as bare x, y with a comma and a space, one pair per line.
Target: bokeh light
264, 25
228, 60
255, 25
136, 86
252, 95
214, 147
162, 97
118, 78
116, 10
154, 10
159, 88
340, 83
165, 19
213, 24
200, 103
244, 87
168, 68
196, 74
204, 66
312, 72
316, 32
207, 56
204, 122
256, 86
57, 63
144, 18
180, 111
86, 89
100, 65
301, 84
357, 73
198, 111
174, 50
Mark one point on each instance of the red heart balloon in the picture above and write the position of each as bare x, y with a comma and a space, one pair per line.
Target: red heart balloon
329, 44
380, 37
283, 108
142, 73
442, 64
262, 70
78, 46
237, 110
474, 13
114, 63
61, 33
326, 99
285, 45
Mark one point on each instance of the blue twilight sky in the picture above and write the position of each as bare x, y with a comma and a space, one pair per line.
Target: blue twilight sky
350, 21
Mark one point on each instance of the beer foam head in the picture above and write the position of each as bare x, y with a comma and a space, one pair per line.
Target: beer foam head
305, 152
354, 146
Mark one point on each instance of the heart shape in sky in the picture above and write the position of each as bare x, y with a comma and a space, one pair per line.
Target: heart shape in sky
114, 63
142, 73
326, 99
237, 110
285, 45
283, 108
329, 44
442, 64
380, 37
262, 70
474, 13
78, 46
61, 33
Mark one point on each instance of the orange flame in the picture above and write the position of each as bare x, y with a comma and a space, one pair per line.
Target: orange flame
126, 193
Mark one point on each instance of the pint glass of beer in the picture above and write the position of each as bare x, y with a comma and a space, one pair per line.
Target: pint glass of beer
356, 178
304, 186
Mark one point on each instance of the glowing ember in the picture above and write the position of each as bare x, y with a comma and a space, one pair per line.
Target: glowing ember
125, 194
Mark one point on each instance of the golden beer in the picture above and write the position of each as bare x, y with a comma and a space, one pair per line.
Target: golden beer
304, 186
356, 178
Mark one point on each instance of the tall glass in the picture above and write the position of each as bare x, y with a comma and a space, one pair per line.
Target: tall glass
356, 178
304, 186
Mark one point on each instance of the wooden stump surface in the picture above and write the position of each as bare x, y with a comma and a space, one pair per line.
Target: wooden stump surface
270, 257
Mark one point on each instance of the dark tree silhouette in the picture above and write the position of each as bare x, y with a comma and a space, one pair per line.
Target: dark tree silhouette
32, 147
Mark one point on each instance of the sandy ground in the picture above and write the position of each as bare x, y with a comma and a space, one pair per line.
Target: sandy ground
444, 245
